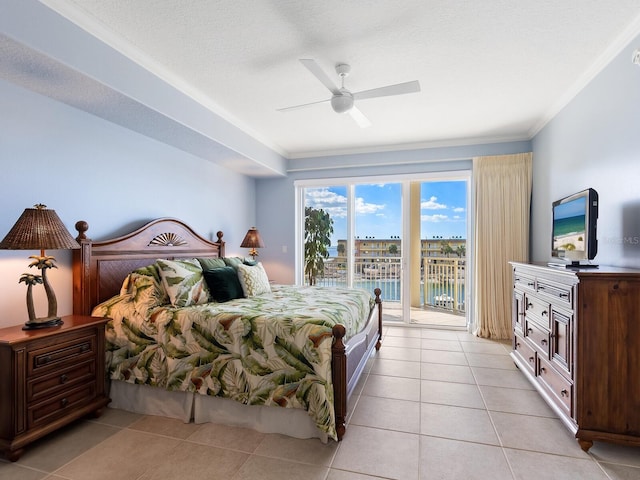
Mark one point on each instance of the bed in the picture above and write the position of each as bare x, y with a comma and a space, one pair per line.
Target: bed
235, 361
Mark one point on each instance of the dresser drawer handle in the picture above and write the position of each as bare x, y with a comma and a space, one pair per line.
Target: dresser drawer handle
544, 313
64, 402
85, 347
543, 341
540, 287
63, 378
44, 360
542, 370
530, 284
531, 359
564, 393
529, 305
563, 295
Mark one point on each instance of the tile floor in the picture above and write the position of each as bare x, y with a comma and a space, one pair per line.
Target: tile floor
435, 404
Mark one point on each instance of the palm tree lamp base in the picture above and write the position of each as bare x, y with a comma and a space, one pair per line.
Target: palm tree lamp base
43, 323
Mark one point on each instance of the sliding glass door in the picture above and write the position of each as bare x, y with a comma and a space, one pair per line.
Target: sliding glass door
407, 237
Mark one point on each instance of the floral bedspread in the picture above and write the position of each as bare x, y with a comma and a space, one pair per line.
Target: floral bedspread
271, 349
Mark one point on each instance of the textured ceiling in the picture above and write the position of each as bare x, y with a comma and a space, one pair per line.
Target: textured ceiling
493, 70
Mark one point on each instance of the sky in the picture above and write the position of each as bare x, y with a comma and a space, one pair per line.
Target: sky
378, 209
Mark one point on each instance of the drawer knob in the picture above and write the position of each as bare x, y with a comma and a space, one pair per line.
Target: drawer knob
544, 312
43, 360
63, 378
564, 393
542, 370
543, 341
64, 402
540, 287
529, 305
531, 359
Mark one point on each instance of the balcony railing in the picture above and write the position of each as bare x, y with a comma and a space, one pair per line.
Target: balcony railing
442, 279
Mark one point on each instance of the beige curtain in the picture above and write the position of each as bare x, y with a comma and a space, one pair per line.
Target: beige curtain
502, 196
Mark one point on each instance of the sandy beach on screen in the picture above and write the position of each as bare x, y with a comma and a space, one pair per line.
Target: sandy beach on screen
575, 239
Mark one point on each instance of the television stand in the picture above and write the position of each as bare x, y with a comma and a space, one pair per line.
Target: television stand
571, 265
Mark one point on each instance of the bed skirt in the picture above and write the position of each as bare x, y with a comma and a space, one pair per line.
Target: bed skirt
193, 407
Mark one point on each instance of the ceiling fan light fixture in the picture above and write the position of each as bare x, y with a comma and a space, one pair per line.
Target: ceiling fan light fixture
342, 103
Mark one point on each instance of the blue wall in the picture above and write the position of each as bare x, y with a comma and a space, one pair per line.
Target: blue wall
86, 168
595, 142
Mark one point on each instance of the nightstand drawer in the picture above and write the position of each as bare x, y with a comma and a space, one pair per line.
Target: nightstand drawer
58, 406
46, 386
60, 355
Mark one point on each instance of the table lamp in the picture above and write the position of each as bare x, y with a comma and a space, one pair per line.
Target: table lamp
39, 229
252, 240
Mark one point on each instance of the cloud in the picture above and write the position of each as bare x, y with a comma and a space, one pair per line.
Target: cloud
336, 205
434, 218
432, 204
458, 209
364, 208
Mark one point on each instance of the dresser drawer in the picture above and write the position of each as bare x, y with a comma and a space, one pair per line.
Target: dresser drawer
46, 386
59, 355
523, 350
538, 336
47, 410
537, 310
561, 294
524, 282
558, 386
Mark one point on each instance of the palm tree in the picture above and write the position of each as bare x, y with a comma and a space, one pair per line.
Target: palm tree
31, 280
446, 249
43, 263
461, 250
318, 227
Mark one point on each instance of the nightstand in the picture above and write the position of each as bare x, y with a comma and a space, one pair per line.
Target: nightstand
49, 378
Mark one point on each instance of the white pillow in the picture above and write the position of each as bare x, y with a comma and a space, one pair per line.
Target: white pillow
253, 279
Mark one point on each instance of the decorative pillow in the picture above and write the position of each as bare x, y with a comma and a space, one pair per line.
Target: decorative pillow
232, 262
145, 288
223, 284
211, 263
254, 280
183, 281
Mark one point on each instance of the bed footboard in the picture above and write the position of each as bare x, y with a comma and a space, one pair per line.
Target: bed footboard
340, 377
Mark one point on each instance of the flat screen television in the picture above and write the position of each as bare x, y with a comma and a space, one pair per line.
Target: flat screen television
574, 237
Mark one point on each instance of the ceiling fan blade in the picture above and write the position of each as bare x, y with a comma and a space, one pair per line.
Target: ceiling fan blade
398, 89
314, 68
358, 116
295, 107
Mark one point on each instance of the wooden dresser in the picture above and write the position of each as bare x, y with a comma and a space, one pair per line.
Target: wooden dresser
577, 339
49, 378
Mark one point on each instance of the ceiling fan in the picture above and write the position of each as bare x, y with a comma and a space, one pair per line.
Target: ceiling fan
342, 100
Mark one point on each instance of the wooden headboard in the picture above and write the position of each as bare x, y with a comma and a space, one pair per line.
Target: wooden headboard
99, 268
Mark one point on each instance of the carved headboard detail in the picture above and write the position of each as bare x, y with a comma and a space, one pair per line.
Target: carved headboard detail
100, 267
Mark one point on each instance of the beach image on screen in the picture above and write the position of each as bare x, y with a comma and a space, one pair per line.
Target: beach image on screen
569, 225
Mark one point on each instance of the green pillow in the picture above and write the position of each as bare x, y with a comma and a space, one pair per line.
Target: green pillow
211, 263
232, 262
223, 284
